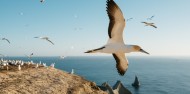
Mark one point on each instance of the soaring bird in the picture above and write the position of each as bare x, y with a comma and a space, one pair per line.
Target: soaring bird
129, 19
29, 56
115, 44
150, 18
149, 24
42, 1
45, 38
6, 40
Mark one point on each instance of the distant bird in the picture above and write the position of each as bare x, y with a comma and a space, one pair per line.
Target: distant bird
29, 56
6, 40
72, 71
52, 65
37, 65
45, 38
150, 18
115, 44
149, 24
19, 67
44, 64
129, 19
62, 57
42, 1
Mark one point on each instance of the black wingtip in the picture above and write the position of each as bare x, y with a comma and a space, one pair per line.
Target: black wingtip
121, 73
88, 52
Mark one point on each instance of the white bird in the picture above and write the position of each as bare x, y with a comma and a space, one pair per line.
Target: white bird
29, 56
72, 71
129, 19
36, 65
44, 64
115, 44
42, 1
61, 57
45, 38
149, 24
52, 65
19, 67
6, 40
150, 18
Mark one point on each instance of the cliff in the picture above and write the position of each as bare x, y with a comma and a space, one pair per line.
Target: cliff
45, 81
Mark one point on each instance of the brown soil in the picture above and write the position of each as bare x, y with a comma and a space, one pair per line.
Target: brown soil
45, 81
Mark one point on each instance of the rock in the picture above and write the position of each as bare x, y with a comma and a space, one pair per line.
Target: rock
45, 81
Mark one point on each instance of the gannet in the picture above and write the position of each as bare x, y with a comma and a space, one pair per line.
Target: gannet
42, 1
45, 38
6, 40
115, 44
19, 67
149, 24
150, 18
29, 56
129, 19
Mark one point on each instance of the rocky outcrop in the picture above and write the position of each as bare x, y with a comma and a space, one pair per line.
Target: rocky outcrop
45, 80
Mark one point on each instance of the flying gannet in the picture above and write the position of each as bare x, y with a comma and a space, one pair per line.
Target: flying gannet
45, 38
129, 19
29, 56
150, 18
6, 40
149, 24
42, 1
115, 44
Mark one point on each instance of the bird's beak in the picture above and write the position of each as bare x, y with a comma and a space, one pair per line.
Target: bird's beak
143, 51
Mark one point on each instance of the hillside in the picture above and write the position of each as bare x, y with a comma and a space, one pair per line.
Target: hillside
45, 81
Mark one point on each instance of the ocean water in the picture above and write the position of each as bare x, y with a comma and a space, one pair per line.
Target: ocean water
157, 75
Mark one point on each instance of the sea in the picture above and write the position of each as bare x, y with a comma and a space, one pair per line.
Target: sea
157, 75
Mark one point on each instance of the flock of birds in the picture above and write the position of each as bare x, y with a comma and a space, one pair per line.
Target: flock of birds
43, 38
20, 64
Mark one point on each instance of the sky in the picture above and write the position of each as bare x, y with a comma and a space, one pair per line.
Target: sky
76, 26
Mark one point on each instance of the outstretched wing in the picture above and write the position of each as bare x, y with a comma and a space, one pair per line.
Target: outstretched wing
121, 62
6, 40
153, 26
50, 41
117, 22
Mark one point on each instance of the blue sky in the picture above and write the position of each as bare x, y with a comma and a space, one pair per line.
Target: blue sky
79, 25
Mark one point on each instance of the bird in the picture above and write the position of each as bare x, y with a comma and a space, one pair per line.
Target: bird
6, 40
36, 65
72, 71
61, 57
19, 67
115, 44
149, 24
150, 18
129, 19
52, 65
42, 1
45, 38
29, 56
